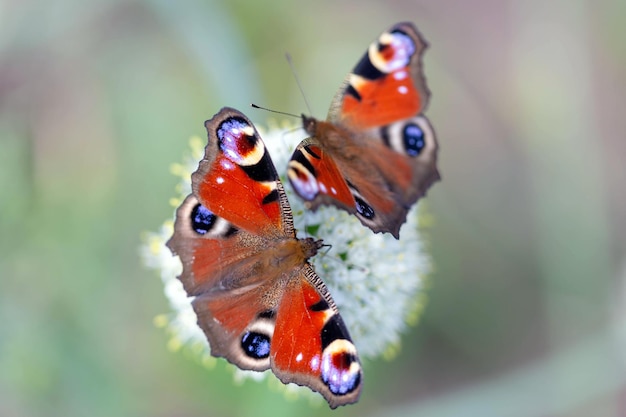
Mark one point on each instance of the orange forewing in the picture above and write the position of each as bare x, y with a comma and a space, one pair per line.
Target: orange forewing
384, 101
228, 192
222, 185
296, 321
329, 180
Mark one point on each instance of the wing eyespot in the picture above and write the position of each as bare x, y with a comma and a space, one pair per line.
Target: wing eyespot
410, 137
256, 345
202, 219
413, 139
364, 209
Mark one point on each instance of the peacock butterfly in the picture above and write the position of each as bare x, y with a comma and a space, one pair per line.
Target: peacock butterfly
257, 299
376, 153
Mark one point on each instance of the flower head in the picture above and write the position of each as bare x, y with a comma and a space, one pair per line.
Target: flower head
376, 281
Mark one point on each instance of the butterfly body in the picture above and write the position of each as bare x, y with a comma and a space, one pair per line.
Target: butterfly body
376, 149
257, 299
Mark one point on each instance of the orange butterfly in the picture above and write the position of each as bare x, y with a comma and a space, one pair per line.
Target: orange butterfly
376, 154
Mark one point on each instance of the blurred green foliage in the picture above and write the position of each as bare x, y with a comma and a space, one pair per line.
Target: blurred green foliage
526, 311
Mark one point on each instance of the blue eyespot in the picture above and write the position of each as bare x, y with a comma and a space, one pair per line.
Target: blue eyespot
363, 208
202, 220
256, 345
337, 372
413, 137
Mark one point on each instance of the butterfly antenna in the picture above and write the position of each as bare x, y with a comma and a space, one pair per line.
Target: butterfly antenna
256, 106
295, 75
327, 247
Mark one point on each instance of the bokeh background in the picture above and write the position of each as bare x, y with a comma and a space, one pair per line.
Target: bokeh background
527, 308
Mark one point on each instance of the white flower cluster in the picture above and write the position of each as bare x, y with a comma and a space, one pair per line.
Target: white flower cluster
376, 281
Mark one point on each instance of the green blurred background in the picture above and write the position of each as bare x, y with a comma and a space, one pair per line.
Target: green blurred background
526, 314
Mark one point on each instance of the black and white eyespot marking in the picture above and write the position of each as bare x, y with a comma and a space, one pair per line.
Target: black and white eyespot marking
203, 222
347, 386
256, 345
373, 64
392, 52
231, 125
410, 137
233, 130
240, 143
364, 209
256, 340
342, 383
413, 138
340, 370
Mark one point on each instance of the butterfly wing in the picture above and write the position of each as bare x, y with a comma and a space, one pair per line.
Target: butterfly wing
237, 179
316, 177
299, 335
211, 250
236, 210
219, 264
383, 147
237, 204
386, 85
257, 299
325, 359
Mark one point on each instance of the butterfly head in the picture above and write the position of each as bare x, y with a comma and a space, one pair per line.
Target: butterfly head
311, 246
309, 124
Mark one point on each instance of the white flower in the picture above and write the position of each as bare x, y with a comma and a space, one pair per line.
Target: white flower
376, 281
